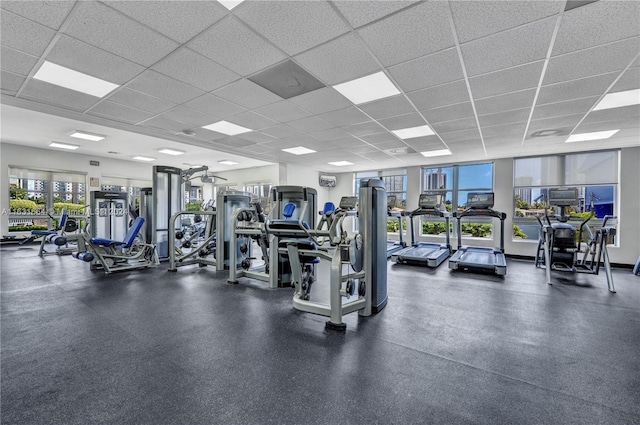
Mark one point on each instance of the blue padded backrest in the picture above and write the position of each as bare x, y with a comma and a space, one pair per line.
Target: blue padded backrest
328, 207
63, 219
288, 210
133, 232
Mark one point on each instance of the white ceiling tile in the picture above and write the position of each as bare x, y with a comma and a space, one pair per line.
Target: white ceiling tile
329, 134
56, 95
588, 126
403, 121
506, 102
457, 136
339, 60
49, 13
395, 105
250, 53
568, 107
630, 80
378, 138
257, 137
321, 100
283, 143
421, 144
344, 117
188, 116
11, 83
247, 94
138, 100
575, 89
412, 33
177, 20
438, 68
448, 113
214, 106
282, 111
281, 131
514, 47
252, 120
234, 141
16, 62
164, 123
507, 117
360, 13
392, 144
442, 95
506, 81
364, 128
455, 125
475, 19
598, 60
624, 112
309, 124
83, 57
119, 112
298, 25
564, 123
598, 23
206, 135
24, 35
194, 69
97, 24
510, 130
156, 84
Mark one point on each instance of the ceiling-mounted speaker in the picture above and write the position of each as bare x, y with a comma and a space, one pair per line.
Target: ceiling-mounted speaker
327, 181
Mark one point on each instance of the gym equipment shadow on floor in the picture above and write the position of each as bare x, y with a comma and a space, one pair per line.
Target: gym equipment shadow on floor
153, 347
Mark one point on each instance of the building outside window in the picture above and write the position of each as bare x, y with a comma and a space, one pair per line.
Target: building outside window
395, 182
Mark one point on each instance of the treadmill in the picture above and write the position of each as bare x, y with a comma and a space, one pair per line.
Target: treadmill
425, 253
394, 246
476, 258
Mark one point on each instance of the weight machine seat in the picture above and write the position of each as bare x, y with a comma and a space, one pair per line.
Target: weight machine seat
128, 239
329, 207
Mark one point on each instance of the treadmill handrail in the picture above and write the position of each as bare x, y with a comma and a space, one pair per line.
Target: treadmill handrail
480, 212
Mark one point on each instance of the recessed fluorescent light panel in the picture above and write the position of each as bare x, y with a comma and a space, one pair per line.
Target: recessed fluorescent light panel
585, 137
230, 4
619, 99
63, 146
372, 87
174, 152
441, 152
74, 80
227, 162
412, 132
88, 136
340, 163
144, 158
228, 128
300, 150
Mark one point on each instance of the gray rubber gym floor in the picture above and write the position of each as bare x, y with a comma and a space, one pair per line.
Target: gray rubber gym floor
153, 347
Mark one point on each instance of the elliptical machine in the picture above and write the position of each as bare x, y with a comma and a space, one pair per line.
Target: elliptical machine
558, 243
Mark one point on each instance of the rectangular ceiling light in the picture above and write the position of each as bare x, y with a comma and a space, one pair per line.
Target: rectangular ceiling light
174, 152
619, 99
144, 158
412, 132
300, 150
585, 137
228, 128
88, 136
74, 80
227, 162
372, 87
340, 163
63, 146
230, 4
441, 152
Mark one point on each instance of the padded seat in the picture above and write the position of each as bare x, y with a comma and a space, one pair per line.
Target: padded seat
129, 238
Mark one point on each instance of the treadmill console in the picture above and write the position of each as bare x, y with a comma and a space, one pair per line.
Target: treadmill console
480, 200
563, 197
348, 203
429, 201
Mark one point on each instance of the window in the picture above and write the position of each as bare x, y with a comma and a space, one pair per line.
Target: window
595, 174
121, 184
260, 193
456, 182
395, 182
36, 197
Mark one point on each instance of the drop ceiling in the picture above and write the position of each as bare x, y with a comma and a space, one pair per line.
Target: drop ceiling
485, 76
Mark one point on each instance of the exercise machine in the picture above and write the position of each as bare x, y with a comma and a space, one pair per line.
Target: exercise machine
195, 241
395, 246
425, 253
357, 258
476, 258
560, 244
56, 236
